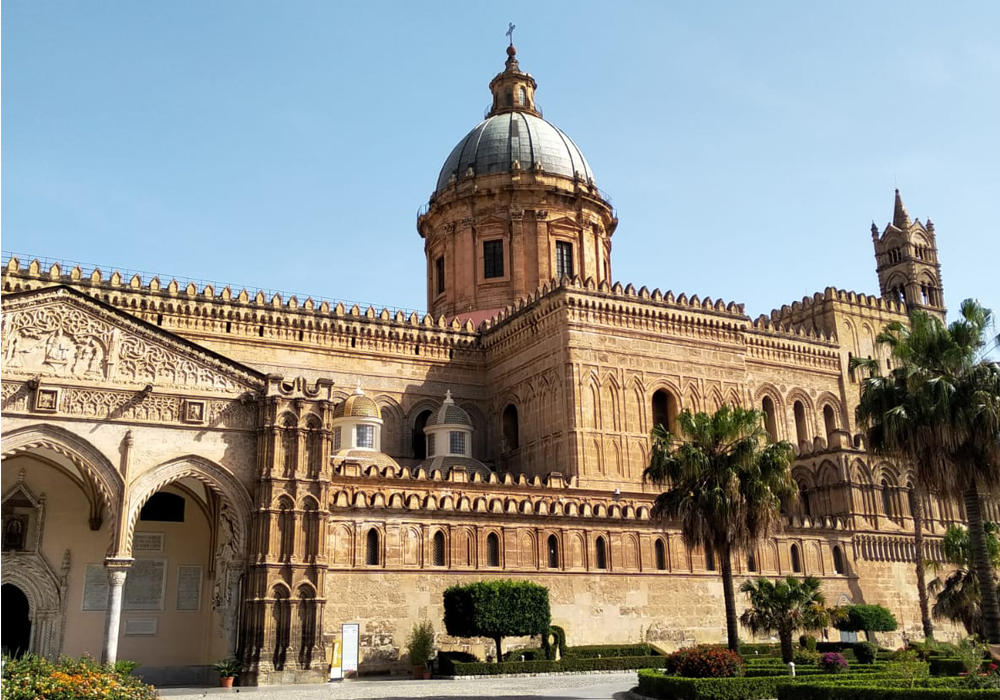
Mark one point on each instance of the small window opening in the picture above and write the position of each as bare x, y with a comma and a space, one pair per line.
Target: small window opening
163, 507
492, 550
838, 560
796, 559
661, 555
601, 548
438, 548
372, 548
553, 550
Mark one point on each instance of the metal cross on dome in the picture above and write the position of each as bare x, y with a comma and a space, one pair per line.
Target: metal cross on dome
510, 32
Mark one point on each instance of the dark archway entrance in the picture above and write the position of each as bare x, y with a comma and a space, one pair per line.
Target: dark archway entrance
16, 620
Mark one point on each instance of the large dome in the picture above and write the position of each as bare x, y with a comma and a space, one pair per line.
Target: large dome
499, 140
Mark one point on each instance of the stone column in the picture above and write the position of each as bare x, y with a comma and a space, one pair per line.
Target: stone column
117, 568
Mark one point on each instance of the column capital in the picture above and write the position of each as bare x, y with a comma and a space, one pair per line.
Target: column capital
118, 563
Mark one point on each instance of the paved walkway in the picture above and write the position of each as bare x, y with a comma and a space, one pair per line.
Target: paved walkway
594, 686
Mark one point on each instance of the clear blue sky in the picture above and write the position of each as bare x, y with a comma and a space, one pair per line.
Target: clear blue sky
288, 146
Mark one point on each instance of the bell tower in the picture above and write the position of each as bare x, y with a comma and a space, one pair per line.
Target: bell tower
515, 207
907, 262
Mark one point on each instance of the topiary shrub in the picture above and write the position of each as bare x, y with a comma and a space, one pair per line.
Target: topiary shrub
865, 618
497, 609
807, 641
866, 652
559, 637
833, 662
706, 662
804, 657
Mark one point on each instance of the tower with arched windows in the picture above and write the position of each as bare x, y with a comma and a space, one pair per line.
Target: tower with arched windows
907, 263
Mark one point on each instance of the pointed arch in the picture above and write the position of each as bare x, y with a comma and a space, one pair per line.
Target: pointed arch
214, 476
92, 463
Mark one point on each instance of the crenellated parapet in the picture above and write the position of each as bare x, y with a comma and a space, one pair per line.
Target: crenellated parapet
249, 315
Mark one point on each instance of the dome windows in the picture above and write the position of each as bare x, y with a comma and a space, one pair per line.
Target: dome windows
357, 424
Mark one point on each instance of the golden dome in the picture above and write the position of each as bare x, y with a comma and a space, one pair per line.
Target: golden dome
357, 405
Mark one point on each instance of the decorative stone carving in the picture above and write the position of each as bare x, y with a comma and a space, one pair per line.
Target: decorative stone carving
59, 333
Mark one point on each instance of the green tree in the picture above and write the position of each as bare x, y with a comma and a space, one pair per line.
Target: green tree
939, 409
957, 595
497, 609
726, 485
866, 618
783, 607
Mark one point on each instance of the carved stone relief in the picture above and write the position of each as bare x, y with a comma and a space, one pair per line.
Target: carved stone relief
61, 339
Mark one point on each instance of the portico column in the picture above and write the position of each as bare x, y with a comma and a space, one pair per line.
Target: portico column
117, 568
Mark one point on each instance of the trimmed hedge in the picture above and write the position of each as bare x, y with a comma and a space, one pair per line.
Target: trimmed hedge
602, 650
568, 664
883, 690
656, 685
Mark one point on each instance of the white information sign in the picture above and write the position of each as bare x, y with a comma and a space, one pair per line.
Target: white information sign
349, 660
95, 588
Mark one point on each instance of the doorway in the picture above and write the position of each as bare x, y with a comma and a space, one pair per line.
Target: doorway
16, 624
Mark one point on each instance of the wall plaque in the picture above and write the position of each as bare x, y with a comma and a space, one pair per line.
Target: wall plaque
95, 588
147, 542
145, 585
189, 587
140, 626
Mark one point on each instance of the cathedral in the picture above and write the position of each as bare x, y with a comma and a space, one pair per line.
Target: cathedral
192, 473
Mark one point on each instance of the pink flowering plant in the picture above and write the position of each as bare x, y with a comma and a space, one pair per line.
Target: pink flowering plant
832, 662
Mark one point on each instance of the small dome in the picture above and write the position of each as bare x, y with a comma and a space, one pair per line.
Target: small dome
357, 405
448, 414
499, 140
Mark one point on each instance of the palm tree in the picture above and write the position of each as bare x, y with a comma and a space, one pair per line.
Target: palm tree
940, 409
957, 596
725, 482
783, 607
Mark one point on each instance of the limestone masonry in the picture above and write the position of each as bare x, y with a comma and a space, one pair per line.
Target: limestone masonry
191, 473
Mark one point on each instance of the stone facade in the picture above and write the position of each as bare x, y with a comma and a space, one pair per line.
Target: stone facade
132, 387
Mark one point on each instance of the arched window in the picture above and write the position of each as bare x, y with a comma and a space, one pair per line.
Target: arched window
838, 561
601, 548
314, 448
829, 420
492, 550
372, 548
911, 497
310, 521
801, 429
767, 406
665, 410
804, 500
522, 96
661, 555
307, 625
709, 557
553, 549
887, 500
286, 531
751, 563
439, 548
419, 439
510, 428
289, 446
796, 560
282, 614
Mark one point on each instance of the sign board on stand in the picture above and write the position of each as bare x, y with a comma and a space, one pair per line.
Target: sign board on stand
334, 658
349, 661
